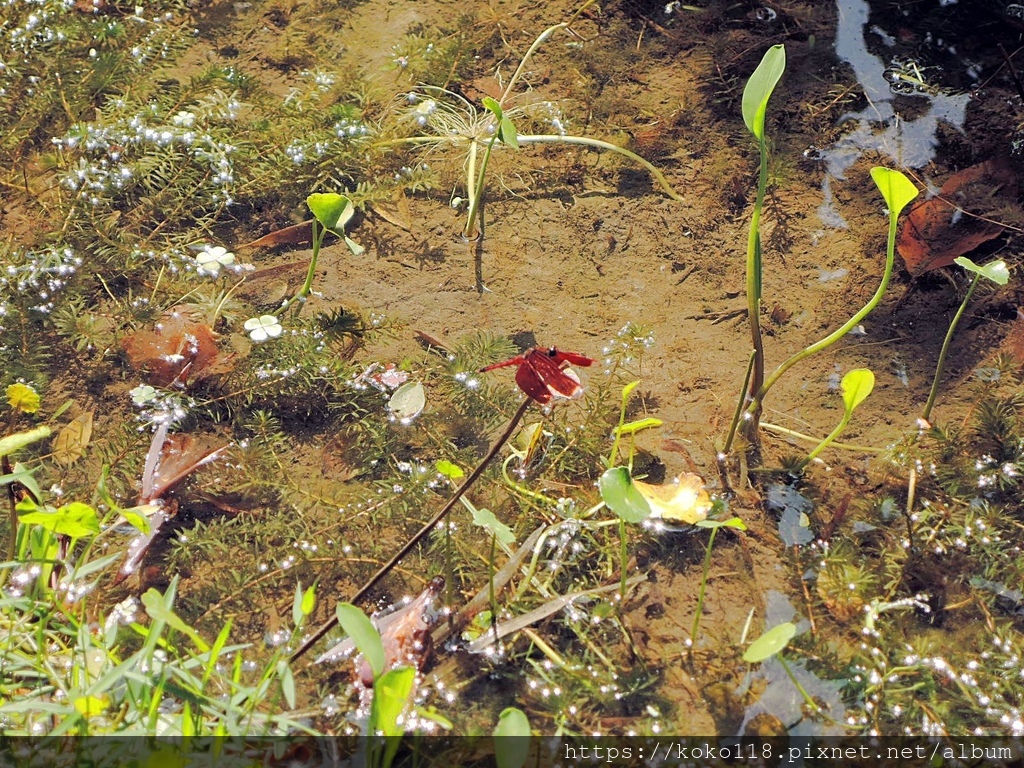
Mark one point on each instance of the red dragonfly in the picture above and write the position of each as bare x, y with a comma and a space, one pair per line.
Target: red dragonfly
544, 373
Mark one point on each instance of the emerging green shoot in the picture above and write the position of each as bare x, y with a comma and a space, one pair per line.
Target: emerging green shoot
856, 386
755, 105
995, 271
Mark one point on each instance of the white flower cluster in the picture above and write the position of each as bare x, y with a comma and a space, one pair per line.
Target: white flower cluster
112, 156
39, 275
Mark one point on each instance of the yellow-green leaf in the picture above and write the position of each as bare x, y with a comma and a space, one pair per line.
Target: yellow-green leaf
23, 398
19, 440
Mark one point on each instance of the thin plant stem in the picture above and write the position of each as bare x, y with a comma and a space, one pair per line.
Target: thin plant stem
623, 560
803, 691
945, 349
702, 590
385, 569
740, 403
477, 193
319, 233
843, 423
753, 289
836, 335
810, 439
554, 138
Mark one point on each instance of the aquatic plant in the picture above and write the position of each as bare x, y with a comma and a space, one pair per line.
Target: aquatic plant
856, 386
898, 191
455, 121
995, 271
758, 90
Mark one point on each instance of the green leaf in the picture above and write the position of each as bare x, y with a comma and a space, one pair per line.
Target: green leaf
355, 248
23, 475
358, 626
309, 600
622, 497
492, 106
511, 738
138, 517
390, 695
449, 470
74, 519
628, 390
896, 188
331, 209
297, 613
19, 440
995, 271
486, 519
23, 398
506, 130
635, 426
732, 522
857, 385
284, 674
759, 89
770, 643
159, 611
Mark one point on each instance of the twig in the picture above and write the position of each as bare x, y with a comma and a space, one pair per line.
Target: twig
427, 528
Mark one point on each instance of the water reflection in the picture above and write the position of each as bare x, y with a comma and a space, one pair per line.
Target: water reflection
879, 126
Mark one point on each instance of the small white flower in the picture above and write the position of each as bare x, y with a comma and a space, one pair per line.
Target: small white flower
184, 119
212, 258
263, 327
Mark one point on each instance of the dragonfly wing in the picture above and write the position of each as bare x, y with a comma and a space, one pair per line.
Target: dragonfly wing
532, 384
558, 381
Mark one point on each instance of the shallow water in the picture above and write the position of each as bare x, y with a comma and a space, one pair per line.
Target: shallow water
581, 249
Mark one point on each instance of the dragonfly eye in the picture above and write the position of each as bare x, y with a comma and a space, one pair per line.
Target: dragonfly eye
552, 352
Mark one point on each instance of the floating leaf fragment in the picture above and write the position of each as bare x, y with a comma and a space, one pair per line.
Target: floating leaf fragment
408, 401
684, 500
619, 492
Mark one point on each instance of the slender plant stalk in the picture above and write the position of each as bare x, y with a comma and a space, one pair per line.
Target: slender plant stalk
476, 193
740, 403
703, 589
808, 438
758, 395
803, 691
554, 138
945, 349
754, 268
319, 233
421, 533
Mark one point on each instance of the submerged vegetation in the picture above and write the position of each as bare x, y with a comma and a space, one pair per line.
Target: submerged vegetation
213, 457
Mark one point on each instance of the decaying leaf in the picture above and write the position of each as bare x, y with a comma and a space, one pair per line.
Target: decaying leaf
938, 230
395, 211
296, 234
180, 456
179, 348
71, 442
683, 500
170, 460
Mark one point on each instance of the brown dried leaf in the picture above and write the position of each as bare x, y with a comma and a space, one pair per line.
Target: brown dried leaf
72, 441
297, 234
180, 456
395, 212
938, 230
177, 349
